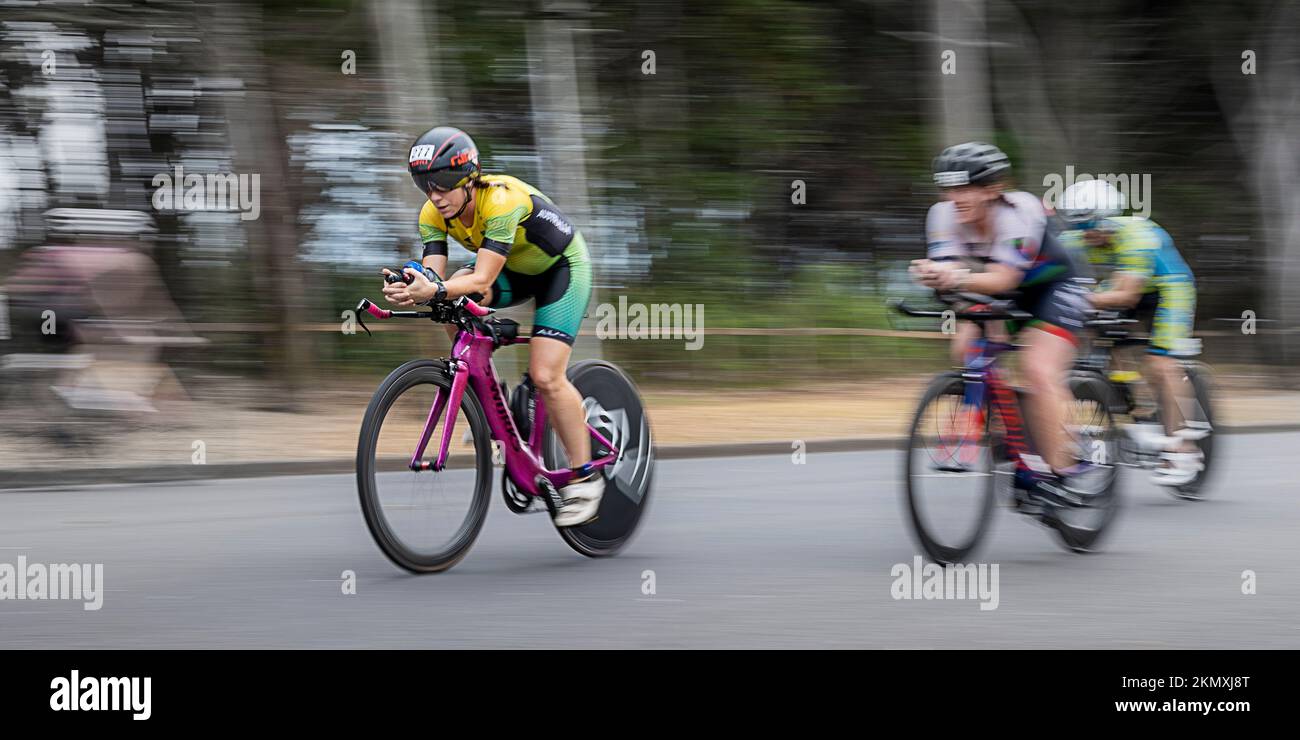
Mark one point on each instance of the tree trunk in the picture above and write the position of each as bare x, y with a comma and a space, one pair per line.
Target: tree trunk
559, 127
964, 103
259, 146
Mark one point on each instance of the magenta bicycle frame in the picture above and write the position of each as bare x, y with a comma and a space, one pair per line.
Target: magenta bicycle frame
471, 368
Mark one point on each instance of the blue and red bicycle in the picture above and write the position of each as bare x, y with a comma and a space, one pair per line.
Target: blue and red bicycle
425, 504
969, 443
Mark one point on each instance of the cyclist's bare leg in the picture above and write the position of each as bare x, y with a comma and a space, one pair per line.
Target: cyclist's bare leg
1046, 363
548, 362
968, 331
969, 421
1174, 394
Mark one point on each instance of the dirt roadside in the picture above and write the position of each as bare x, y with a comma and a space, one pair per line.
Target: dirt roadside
230, 433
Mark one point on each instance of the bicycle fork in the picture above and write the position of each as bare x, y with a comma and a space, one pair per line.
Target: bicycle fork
450, 403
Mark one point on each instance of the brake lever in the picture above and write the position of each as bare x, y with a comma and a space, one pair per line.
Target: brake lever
360, 311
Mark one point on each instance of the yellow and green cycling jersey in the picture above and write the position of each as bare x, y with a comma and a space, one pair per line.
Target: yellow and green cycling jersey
512, 218
1139, 247
1135, 246
546, 256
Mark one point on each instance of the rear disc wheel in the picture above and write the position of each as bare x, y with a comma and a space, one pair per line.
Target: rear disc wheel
614, 408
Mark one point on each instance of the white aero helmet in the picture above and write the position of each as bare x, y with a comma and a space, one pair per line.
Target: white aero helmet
1090, 200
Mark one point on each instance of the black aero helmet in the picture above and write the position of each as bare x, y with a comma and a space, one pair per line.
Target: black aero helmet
443, 158
972, 163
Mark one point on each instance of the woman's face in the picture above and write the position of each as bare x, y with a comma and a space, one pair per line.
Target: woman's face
448, 203
972, 201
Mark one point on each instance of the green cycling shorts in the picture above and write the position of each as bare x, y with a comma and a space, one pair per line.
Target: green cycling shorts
1170, 311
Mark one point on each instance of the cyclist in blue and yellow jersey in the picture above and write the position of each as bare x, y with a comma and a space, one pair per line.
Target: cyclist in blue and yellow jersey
524, 248
1148, 275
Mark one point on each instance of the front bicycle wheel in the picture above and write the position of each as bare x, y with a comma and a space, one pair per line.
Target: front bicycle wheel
424, 521
614, 408
949, 471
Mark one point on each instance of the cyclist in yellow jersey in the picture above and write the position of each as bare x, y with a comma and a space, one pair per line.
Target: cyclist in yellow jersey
1146, 274
524, 248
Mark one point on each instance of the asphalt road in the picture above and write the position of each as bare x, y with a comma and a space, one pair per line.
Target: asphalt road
745, 552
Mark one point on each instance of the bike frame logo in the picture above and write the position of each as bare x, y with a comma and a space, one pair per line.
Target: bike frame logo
654, 321
1136, 188
177, 191
959, 581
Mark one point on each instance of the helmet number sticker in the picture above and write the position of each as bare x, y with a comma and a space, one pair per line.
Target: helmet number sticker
422, 153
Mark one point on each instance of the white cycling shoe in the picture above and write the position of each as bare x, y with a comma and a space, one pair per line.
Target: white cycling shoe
581, 502
1182, 468
1194, 431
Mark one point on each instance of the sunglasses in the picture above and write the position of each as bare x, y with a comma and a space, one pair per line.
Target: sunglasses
440, 181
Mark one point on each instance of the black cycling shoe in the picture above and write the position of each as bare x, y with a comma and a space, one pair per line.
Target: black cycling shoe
1054, 490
